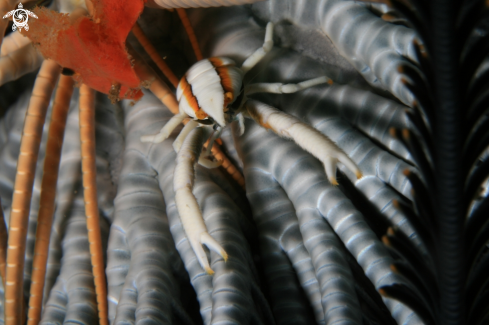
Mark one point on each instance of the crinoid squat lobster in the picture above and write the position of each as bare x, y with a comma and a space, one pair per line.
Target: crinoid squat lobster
213, 95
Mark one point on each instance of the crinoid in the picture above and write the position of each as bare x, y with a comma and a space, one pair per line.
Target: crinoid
404, 244
92, 51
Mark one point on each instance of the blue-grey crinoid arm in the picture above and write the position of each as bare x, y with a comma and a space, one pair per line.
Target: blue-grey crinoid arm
142, 260
73, 299
307, 191
69, 290
284, 163
232, 294
375, 47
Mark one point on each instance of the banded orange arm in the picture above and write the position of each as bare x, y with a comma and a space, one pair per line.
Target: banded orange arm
48, 192
89, 171
26, 166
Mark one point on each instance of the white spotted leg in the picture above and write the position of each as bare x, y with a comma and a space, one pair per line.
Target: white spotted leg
310, 139
188, 208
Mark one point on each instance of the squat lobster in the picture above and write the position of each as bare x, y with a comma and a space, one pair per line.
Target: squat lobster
213, 95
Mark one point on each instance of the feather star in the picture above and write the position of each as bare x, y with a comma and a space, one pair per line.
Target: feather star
93, 47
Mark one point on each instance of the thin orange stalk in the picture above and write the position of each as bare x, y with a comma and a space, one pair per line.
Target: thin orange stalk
157, 86
161, 90
26, 167
153, 54
190, 33
48, 192
89, 171
3, 246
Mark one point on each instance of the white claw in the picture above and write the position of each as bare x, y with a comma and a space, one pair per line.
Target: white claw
201, 256
188, 208
310, 139
330, 168
345, 160
213, 245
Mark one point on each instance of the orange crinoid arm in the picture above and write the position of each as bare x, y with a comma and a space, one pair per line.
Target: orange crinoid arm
3, 246
93, 47
89, 171
48, 191
190, 33
24, 180
153, 54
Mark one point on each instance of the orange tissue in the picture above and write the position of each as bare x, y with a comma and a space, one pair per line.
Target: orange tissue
93, 47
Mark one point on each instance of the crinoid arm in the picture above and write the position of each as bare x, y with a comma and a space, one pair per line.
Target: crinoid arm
310, 139
188, 208
59, 115
89, 171
12, 43
24, 181
253, 59
241, 125
18, 63
166, 130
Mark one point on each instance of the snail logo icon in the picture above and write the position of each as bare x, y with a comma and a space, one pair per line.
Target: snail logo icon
20, 17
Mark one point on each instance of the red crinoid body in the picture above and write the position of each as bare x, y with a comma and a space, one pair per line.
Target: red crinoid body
94, 48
